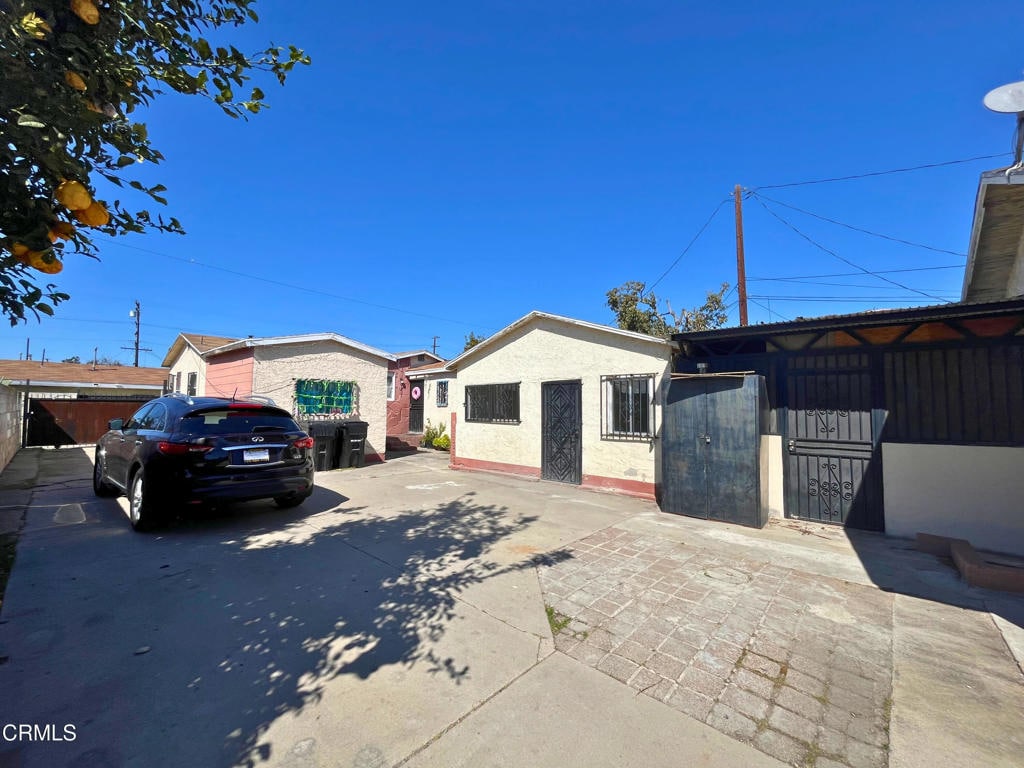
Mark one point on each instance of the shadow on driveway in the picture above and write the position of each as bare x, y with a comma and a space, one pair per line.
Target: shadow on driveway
182, 647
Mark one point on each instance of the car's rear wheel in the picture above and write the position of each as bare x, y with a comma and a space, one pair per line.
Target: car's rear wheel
287, 502
99, 484
142, 509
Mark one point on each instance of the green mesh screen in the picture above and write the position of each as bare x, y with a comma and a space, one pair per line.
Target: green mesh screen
317, 396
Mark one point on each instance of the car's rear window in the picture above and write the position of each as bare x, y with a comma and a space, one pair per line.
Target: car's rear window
226, 421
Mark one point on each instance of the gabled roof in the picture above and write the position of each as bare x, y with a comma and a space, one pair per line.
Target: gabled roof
199, 342
426, 370
536, 315
307, 338
414, 352
40, 375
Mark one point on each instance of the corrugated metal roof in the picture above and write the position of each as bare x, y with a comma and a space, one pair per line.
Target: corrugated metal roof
956, 310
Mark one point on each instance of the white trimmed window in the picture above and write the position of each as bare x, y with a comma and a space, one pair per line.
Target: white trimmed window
391, 385
627, 407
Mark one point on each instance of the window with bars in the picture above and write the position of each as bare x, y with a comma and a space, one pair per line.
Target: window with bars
495, 403
442, 394
627, 407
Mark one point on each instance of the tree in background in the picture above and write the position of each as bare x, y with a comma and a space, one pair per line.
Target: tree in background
73, 359
472, 340
73, 71
638, 311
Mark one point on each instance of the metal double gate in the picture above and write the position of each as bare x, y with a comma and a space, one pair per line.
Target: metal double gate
833, 470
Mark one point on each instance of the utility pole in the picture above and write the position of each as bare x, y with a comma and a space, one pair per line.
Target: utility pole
741, 269
137, 314
435, 344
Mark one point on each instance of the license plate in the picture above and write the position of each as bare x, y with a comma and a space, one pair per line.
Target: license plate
256, 455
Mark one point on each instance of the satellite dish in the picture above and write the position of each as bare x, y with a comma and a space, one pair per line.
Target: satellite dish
1006, 98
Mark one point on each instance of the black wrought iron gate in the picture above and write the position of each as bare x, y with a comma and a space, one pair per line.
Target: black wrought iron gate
833, 467
561, 427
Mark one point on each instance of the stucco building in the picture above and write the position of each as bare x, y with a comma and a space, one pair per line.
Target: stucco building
561, 399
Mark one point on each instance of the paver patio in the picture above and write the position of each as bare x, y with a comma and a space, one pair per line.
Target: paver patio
798, 666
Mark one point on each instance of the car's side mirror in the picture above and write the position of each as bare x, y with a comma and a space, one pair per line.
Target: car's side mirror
115, 424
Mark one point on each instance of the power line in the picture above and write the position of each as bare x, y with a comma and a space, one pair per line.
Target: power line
690, 244
843, 259
770, 310
881, 173
843, 285
292, 285
854, 299
860, 229
854, 274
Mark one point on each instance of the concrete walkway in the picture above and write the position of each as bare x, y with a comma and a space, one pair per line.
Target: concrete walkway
412, 615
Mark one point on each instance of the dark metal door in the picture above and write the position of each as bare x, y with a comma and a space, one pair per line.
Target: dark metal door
416, 405
833, 466
561, 431
710, 438
684, 486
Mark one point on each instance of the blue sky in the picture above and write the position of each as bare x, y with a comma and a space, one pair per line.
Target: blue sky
447, 168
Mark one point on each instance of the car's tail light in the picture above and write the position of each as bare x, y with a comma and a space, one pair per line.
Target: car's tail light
304, 442
181, 449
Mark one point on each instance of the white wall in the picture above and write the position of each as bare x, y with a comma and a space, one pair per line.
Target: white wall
276, 367
188, 362
547, 350
966, 492
431, 411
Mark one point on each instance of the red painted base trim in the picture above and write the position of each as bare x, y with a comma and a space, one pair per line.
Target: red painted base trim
591, 482
628, 487
459, 462
375, 458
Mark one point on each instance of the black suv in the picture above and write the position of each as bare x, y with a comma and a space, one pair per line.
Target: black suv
179, 450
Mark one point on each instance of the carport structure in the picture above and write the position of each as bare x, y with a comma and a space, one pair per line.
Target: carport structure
906, 421
71, 403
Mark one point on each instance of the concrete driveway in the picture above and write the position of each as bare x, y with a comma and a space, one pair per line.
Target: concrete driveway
412, 615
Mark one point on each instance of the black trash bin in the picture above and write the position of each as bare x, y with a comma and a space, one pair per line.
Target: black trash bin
352, 436
325, 444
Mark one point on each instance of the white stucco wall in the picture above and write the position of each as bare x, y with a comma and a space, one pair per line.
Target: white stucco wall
966, 492
276, 367
188, 362
547, 350
431, 411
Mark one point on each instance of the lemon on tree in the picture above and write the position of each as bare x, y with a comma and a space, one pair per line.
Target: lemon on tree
73, 76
